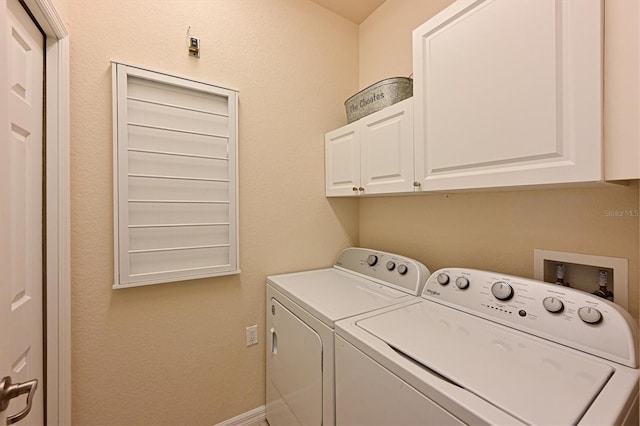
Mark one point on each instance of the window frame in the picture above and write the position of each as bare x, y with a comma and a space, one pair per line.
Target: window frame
121, 73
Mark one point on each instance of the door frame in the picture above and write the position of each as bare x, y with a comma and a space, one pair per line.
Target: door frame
57, 239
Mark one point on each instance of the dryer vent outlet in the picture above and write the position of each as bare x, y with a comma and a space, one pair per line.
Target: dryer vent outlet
252, 335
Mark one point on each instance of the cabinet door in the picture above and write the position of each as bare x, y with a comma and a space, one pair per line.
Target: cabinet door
508, 93
342, 161
386, 147
622, 94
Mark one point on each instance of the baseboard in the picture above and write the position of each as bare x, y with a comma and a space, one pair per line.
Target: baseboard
250, 418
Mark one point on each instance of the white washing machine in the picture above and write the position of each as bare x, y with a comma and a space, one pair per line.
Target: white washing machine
486, 348
302, 309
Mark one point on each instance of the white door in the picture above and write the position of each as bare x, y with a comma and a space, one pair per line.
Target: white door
342, 161
508, 93
386, 144
21, 181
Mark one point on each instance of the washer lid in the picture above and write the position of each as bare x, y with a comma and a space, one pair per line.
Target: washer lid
534, 380
332, 294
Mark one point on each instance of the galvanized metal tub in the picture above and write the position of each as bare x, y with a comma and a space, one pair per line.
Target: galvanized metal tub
377, 96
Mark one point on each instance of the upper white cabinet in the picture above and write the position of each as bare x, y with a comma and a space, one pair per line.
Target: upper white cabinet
508, 93
373, 155
342, 161
622, 90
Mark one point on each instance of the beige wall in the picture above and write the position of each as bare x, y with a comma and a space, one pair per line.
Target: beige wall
489, 230
62, 7
175, 353
499, 230
385, 38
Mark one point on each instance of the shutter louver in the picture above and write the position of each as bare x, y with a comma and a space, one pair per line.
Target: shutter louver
175, 178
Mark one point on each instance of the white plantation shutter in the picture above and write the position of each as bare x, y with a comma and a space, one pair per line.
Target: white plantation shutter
175, 178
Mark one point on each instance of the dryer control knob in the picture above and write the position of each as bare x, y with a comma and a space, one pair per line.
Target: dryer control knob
402, 269
462, 283
443, 279
372, 260
502, 290
590, 315
391, 265
553, 305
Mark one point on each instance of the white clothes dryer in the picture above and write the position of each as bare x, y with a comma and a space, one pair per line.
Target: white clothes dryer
302, 309
487, 348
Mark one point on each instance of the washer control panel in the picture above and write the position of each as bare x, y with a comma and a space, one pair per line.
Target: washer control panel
561, 314
393, 270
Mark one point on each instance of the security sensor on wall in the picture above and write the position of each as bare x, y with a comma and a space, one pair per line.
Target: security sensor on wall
194, 44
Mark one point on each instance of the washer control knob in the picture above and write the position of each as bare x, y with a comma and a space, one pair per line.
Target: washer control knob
462, 283
502, 290
372, 260
402, 269
590, 315
443, 279
553, 305
391, 265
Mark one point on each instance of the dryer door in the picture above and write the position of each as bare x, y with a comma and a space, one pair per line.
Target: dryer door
294, 370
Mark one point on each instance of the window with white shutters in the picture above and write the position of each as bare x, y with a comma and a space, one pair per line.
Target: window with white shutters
175, 178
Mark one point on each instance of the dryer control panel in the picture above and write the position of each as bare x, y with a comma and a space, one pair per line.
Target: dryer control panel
561, 314
393, 270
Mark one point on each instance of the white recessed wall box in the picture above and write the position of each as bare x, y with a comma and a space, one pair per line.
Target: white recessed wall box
583, 272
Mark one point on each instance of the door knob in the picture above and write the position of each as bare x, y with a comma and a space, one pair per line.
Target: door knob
8, 391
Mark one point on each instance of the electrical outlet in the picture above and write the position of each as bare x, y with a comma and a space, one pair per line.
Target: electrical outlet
252, 335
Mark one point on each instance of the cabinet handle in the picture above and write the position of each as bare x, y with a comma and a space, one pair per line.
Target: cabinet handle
354, 189
416, 184
361, 189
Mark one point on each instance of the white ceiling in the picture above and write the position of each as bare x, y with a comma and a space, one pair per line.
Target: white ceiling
354, 10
